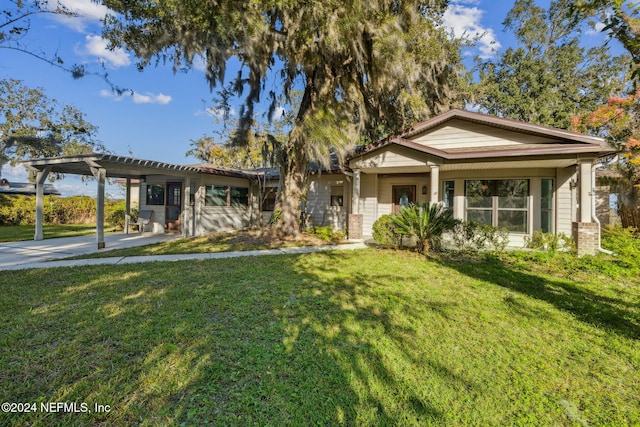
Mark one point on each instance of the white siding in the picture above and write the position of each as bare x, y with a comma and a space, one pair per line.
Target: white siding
368, 202
463, 134
223, 218
319, 201
565, 205
391, 157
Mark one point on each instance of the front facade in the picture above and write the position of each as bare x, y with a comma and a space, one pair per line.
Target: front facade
485, 169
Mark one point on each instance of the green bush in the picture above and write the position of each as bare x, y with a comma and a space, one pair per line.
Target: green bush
548, 242
326, 233
625, 243
473, 237
384, 232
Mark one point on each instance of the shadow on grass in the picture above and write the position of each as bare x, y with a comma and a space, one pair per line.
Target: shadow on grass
263, 341
588, 306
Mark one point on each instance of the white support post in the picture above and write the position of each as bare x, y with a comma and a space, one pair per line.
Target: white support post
435, 184
355, 195
40, 179
185, 207
127, 207
585, 190
100, 175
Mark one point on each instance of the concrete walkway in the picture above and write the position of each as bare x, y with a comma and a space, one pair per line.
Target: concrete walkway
30, 254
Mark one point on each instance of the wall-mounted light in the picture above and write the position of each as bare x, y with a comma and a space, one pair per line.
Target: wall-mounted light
573, 184
424, 189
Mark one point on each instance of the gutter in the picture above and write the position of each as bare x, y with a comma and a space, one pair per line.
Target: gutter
594, 217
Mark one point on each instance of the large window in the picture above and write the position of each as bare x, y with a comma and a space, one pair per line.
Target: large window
447, 194
223, 195
546, 205
155, 194
500, 203
239, 196
215, 195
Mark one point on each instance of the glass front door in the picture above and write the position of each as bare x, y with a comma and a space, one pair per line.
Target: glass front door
403, 195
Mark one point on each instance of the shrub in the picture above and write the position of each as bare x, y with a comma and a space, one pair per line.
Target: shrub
548, 242
625, 243
471, 236
384, 232
327, 233
426, 223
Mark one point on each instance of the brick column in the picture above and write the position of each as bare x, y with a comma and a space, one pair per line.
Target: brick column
586, 236
355, 226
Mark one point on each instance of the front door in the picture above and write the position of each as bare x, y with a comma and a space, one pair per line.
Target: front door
403, 195
174, 200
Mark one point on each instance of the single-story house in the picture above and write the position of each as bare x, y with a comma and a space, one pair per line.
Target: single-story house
486, 169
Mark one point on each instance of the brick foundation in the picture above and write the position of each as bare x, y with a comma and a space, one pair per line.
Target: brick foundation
355, 226
586, 236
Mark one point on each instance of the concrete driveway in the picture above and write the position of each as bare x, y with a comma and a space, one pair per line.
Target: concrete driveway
31, 251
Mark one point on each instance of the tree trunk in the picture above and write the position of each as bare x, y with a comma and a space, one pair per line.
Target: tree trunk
293, 173
293, 167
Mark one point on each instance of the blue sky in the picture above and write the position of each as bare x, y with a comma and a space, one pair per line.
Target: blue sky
167, 110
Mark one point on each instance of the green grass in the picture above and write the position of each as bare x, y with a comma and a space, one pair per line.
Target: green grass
338, 338
215, 242
16, 233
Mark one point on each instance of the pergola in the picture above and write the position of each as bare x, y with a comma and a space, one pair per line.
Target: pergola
100, 166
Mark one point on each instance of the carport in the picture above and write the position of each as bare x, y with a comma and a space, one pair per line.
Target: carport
102, 166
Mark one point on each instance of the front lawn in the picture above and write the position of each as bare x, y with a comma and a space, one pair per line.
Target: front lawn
367, 337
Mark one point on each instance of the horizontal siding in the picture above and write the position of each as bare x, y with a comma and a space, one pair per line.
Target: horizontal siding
463, 134
390, 157
319, 201
564, 201
368, 202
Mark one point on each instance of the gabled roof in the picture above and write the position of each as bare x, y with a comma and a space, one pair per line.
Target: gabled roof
561, 141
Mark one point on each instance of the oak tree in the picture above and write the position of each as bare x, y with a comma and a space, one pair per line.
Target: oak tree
360, 65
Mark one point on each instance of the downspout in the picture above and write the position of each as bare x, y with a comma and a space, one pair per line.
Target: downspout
594, 217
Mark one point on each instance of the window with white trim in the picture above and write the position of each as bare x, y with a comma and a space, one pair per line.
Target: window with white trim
501, 203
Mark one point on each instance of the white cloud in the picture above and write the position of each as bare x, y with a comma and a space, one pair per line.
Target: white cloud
217, 113
150, 98
97, 46
464, 19
138, 98
88, 12
278, 113
16, 173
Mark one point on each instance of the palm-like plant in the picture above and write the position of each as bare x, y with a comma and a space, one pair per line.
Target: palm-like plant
427, 223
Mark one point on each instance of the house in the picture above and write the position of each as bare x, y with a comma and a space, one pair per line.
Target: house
486, 169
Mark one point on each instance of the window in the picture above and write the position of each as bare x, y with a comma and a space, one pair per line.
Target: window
500, 203
155, 194
337, 195
546, 206
447, 194
215, 195
269, 199
239, 196
223, 195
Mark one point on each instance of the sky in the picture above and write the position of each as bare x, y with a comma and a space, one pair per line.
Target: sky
167, 110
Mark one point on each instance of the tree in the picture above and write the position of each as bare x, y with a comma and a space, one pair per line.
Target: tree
360, 65
33, 125
621, 19
619, 122
549, 78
